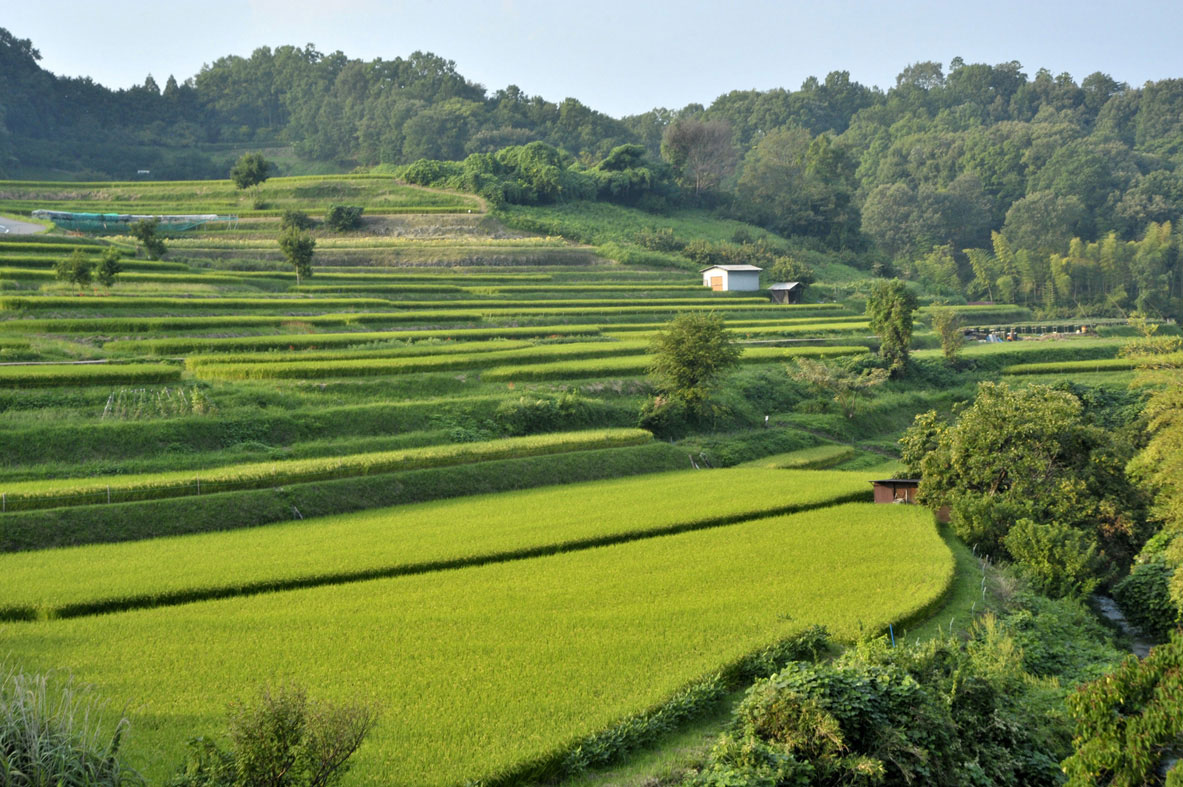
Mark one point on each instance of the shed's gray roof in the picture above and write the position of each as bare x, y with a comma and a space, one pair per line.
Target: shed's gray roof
732, 268
784, 285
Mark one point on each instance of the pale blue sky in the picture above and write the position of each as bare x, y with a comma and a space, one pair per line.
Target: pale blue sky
619, 57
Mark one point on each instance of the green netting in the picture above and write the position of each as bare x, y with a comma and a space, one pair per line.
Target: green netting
118, 223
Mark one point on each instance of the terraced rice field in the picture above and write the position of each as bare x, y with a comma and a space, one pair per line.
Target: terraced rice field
480, 669
416, 479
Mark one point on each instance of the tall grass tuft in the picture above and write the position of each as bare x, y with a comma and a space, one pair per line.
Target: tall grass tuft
50, 736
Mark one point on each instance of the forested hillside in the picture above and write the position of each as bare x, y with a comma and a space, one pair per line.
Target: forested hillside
978, 181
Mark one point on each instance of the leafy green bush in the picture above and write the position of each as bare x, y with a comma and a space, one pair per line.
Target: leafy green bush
342, 218
659, 239
939, 713
545, 413
1060, 560
281, 740
48, 736
1145, 598
1060, 638
1125, 721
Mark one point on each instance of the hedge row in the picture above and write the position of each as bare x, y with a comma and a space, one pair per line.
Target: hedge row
58, 527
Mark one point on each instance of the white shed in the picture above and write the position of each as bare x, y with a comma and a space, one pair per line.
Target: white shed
732, 278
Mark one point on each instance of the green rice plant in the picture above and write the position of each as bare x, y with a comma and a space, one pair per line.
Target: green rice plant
151, 519
48, 440
996, 355
638, 365
88, 374
379, 287
149, 486
389, 350
736, 325
405, 539
815, 458
489, 668
373, 367
314, 193
142, 403
977, 314
1065, 367
35, 303
806, 329
309, 341
47, 262
502, 289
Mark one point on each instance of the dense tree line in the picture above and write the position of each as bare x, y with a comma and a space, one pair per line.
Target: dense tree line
1051, 180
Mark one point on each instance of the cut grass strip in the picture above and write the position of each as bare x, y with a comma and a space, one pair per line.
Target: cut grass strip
151, 486
377, 367
481, 670
637, 365
406, 539
87, 374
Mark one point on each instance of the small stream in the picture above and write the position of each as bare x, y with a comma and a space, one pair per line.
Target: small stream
1140, 646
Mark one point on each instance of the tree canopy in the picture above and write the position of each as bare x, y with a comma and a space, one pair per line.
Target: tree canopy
250, 170
691, 356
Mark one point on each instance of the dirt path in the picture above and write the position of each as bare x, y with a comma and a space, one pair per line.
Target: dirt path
14, 227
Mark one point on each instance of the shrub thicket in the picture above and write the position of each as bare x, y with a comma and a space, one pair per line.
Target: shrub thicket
282, 739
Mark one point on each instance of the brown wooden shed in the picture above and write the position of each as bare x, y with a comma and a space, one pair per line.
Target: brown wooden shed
903, 490
896, 490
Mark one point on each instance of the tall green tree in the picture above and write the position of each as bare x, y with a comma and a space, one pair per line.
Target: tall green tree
701, 151
1029, 453
75, 269
691, 356
890, 308
109, 267
298, 247
146, 231
250, 170
947, 325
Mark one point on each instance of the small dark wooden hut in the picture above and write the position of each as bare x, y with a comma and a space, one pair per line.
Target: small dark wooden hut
785, 292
